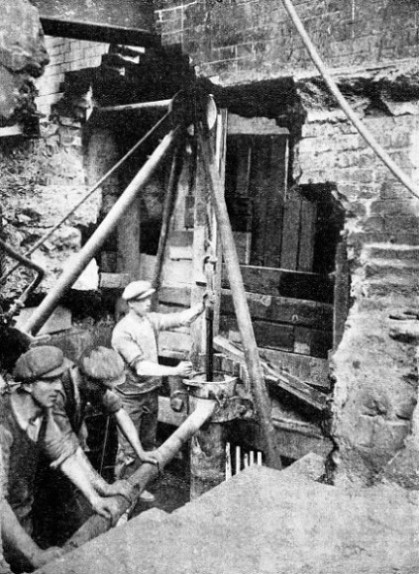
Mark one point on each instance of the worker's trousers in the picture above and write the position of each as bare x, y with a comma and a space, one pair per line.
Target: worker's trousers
143, 410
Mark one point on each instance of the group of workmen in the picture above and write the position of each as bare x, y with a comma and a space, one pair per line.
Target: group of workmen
43, 406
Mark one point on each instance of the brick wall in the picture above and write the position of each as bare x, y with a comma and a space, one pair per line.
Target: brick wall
66, 55
244, 40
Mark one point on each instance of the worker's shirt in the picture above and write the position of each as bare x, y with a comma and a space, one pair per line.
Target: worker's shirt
21, 454
73, 401
136, 339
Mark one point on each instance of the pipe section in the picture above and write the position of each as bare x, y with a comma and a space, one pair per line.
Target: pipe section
79, 263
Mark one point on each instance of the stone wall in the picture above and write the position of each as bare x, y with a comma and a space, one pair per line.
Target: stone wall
240, 41
375, 378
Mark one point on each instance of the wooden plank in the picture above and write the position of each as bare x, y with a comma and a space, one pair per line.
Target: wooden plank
173, 341
288, 383
283, 309
274, 198
113, 280
237, 125
180, 296
60, 320
314, 342
311, 370
307, 235
243, 241
181, 238
177, 253
284, 283
259, 181
177, 272
271, 335
291, 233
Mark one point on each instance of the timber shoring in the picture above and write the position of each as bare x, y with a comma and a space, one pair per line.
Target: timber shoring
244, 320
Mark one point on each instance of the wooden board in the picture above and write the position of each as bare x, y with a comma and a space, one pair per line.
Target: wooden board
272, 335
291, 233
312, 370
180, 296
243, 241
283, 309
284, 283
274, 198
113, 280
314, 342
307, 235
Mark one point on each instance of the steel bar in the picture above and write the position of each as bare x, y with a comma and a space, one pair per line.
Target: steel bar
160, 104
79, 263
253, 363
102, 180
96, 524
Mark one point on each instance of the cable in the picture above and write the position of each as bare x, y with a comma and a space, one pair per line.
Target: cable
331, 84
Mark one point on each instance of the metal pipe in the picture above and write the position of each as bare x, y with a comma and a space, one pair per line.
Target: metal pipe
346, 108
88, 194
70, 275
19, 303
160, 104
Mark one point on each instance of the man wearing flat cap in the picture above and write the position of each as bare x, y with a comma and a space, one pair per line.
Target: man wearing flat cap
27, 428
88, 384
135, 338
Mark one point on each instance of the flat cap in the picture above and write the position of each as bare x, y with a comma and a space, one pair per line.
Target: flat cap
44, 362
138, 290
102, 364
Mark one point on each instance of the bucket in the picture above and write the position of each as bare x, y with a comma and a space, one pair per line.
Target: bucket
220, 389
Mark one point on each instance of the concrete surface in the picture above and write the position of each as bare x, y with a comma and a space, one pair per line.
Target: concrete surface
264, 521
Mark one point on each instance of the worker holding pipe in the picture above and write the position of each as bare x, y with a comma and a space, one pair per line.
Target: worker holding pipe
89, 383
27, 428
135, 338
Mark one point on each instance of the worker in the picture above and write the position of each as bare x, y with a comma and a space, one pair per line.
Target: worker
27, 428
135, 337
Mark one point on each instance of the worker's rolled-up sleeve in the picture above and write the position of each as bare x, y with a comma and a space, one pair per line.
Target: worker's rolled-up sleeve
56, 446
125, 345
111, 402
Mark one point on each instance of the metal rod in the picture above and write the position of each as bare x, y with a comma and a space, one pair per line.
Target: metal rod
88, 194
160, 104
80, 262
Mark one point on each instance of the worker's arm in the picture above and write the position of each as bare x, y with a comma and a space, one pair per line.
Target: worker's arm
80, 477
121, 487
151, 369
128, 429
171, 320
64, 455
20, 543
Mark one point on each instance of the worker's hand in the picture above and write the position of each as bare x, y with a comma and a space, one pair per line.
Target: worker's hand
150, 456
106, 507
178, 401
42, 557
120, 488
184, 369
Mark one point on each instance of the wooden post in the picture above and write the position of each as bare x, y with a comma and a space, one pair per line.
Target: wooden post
208, 458
96, 524
254, 368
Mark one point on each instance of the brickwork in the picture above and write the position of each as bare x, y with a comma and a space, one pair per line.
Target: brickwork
249, 40
66, 55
